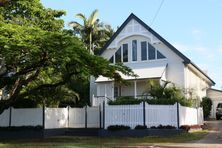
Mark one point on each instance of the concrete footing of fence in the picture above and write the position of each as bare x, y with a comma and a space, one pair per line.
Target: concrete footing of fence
140, 133
38, 134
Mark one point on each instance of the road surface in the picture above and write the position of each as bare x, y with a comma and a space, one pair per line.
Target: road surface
211, 140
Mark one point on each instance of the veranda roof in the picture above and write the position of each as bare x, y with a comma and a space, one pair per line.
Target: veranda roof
143, 73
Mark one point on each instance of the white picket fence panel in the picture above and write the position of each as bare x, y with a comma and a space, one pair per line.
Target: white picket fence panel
4, 118
26, 117
161, 115
200, 116
93, 117
130, 115
155, 115
191, 116
77, 117
56, 118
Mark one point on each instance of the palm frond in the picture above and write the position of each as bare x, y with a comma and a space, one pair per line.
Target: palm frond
93, 17
74, 24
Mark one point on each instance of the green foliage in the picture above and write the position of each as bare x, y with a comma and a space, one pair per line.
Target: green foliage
164, 94
25, 103
207, 106
138, 127
170, 101
92, 32
39, 59
124, 100
163, 127
117, 127
22, 128
157, 95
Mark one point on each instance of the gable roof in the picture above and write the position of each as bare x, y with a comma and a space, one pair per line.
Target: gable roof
132, 16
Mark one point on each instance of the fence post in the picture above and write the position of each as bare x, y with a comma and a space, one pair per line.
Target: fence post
93, 100
144, 114
86, 116
103, 114
10, 116
68, 116
43, 116
178, 116
100, 117
197, 116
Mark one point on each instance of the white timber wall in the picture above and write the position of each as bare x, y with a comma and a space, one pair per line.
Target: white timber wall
175, 68
196, 84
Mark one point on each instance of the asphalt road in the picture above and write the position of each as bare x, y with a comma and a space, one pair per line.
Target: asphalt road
215, 133
212, 140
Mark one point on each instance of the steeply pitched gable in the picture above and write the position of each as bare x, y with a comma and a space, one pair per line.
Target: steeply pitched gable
186, 60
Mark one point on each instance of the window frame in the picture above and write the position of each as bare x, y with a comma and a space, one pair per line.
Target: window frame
132, 51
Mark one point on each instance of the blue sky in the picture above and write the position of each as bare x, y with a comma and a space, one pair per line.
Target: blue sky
193, 26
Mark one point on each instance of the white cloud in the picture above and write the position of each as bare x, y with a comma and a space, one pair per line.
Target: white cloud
197, 34
181, 47
220, 47
185, 47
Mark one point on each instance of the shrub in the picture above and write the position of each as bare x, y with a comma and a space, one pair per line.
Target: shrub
163, 127
118, 127
141, 127
206, 103
170, 101
164, 94
124, 100
166, 127
21, 128
24, 103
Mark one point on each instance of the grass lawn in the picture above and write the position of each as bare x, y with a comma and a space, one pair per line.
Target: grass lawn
91, 142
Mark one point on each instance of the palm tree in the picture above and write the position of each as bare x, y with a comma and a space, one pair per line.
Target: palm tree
92, 32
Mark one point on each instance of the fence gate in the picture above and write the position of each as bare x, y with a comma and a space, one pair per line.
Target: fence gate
86, 117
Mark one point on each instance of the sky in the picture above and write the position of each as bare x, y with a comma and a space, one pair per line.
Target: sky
194, 27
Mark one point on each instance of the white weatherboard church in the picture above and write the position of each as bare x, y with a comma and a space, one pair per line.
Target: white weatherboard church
150, 57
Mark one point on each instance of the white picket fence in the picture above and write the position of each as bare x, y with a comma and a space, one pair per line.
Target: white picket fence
52, 117
152, 115
191, 116
98, 117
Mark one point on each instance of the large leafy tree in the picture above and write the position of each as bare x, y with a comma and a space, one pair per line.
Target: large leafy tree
92, 32
39, 58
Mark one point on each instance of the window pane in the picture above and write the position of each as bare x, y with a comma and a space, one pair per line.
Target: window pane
111, 59
134, 50
143, 51
115, 91
118, 56
151, 52
160, 55
125, 52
